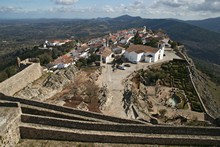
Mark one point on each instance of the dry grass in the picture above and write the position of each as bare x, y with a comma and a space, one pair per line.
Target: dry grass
82, 89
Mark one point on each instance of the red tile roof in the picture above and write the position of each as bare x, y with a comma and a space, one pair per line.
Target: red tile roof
63, 59
106, 52
141, 48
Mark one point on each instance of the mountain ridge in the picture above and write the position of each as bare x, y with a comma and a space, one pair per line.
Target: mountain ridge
210, 23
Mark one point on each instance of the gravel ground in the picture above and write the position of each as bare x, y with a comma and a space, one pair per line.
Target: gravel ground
115, 79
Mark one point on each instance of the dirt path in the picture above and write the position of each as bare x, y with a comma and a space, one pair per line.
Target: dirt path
116, 87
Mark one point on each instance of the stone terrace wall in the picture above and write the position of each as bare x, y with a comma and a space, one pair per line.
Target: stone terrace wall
21, 79
180, 130
34, 133
69, 110
49, 113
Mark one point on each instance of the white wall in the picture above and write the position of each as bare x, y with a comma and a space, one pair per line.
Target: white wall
162, 52
132, 56
148, 59
156, 56
109, 59
140, 57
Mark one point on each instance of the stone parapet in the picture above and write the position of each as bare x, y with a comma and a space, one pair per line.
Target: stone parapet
52, 133
21, 79
69, 110
110, 127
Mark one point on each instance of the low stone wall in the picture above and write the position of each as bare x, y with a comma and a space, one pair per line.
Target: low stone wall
122, 128
69, 110
21, 79
34, 111
10, 134
5, 104
34, 133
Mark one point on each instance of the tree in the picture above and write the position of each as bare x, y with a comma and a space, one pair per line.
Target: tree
45, 58
93, 58
162, 112
153, 42
12, 70
81, 62
173, 44
137, 39
3, 76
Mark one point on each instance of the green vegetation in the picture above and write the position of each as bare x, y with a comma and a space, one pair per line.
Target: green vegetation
162, 112
83, 62
183, 104
174, 74
210, 69
153, 42
8, 63
137, 39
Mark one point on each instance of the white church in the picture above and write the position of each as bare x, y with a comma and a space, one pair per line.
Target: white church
137, 53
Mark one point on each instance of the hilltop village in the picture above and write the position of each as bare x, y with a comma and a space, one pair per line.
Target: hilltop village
134, 44
134, 86
134, 74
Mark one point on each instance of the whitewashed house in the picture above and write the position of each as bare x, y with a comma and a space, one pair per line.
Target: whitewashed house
106, 55
137, 53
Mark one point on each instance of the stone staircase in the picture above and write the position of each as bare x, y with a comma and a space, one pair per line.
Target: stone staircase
41, 121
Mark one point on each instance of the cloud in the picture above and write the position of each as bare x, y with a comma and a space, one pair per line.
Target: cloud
11, 9
137, 7
190, 5
67, 9
65, 2
207, 5
186, 9
176, 3
108, 9
171, 3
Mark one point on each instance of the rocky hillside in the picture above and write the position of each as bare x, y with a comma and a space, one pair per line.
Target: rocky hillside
48, 85
203, 86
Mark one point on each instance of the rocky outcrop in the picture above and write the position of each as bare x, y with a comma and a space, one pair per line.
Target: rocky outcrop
53, 84
104, 97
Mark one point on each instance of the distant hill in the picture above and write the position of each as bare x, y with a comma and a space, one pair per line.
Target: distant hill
212, 24
201, 43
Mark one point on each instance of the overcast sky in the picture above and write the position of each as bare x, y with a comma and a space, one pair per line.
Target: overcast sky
180, 9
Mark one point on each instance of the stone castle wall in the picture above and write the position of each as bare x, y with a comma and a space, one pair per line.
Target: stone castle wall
69, 110
10, 134
180, 130
48, 128
35, 133
21, 79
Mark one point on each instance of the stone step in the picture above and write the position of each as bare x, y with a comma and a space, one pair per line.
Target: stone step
69, 110
56, 114
54, 143
33, 131
115, 127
